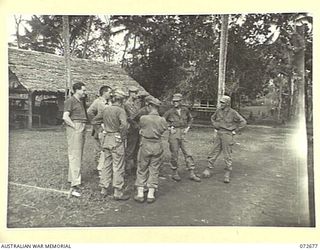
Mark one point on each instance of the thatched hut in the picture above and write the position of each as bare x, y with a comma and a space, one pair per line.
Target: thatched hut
35, 77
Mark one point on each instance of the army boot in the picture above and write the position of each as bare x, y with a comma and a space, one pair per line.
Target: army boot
193, 176
227, 176
206, 173
150, 197
176, 175
140, 195
119, 195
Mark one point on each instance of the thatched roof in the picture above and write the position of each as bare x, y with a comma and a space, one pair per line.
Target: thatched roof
43, 72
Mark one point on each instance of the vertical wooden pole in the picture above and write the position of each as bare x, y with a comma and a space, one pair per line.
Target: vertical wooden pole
66, 45
223, 56
30, 94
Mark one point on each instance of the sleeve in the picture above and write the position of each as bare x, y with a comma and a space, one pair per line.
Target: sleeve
189, 118
164, 124
240, 120
92, 110
213, 118
166, 116
123, 123
67, 106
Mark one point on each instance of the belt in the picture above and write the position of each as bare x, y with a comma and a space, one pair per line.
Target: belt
151, 139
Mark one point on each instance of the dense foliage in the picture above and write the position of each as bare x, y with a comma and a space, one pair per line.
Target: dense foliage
168, 53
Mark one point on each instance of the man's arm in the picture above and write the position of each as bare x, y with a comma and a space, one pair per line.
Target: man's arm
241, 122
215, 124
67, 119
92, 110
123, 124
189, 120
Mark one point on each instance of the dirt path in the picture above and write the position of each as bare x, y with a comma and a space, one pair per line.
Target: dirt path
266, 188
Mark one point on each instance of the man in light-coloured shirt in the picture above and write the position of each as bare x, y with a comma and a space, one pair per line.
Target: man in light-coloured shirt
75, 118
226, 122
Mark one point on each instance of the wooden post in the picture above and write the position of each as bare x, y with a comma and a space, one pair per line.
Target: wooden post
223, 56
66, 45
30, 110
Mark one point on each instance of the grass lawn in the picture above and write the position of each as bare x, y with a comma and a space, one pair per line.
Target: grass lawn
267, 187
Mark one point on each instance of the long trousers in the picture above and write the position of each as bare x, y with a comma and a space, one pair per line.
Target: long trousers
178, 140
149, 163
75, 140
113, 168
222, 143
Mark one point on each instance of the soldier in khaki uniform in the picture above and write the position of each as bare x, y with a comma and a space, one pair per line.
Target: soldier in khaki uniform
115, 128
150, 152
96, 107
179, 119
132, 106
226, 122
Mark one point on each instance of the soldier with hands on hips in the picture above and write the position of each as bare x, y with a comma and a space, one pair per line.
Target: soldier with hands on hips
226, 122
179, 121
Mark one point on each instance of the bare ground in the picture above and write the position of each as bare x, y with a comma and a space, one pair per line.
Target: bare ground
267, 187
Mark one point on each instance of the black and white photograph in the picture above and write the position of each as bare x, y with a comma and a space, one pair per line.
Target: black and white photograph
140, 122
160, 120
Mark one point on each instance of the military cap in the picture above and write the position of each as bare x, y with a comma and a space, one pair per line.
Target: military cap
148, 98
177, 97
133, 89
225, 99
119, 93
143, 93
155, 101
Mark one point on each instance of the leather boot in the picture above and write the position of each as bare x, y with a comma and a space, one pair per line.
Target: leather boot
150, 197
227, 176
206, 173
119, 195
140, 195
193, 176
175, 175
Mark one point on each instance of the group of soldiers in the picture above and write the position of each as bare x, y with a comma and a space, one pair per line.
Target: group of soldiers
127, 130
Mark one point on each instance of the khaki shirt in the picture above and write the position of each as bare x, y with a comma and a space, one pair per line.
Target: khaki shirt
114, 120
227, 119
152, 126
182, 120
96, 107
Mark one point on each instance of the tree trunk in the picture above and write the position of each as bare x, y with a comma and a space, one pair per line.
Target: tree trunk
281, 81
18, 21
299, 62
66, 37
87, 37
126, 41
223, 56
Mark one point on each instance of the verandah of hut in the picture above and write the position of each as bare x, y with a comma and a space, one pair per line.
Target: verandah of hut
33, 108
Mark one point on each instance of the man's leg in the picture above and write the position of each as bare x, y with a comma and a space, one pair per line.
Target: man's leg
174, 150
188, 159
213, 155
154, 168
106, 172
76, 139
118, 173
131, 150
142, 171
227, 142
